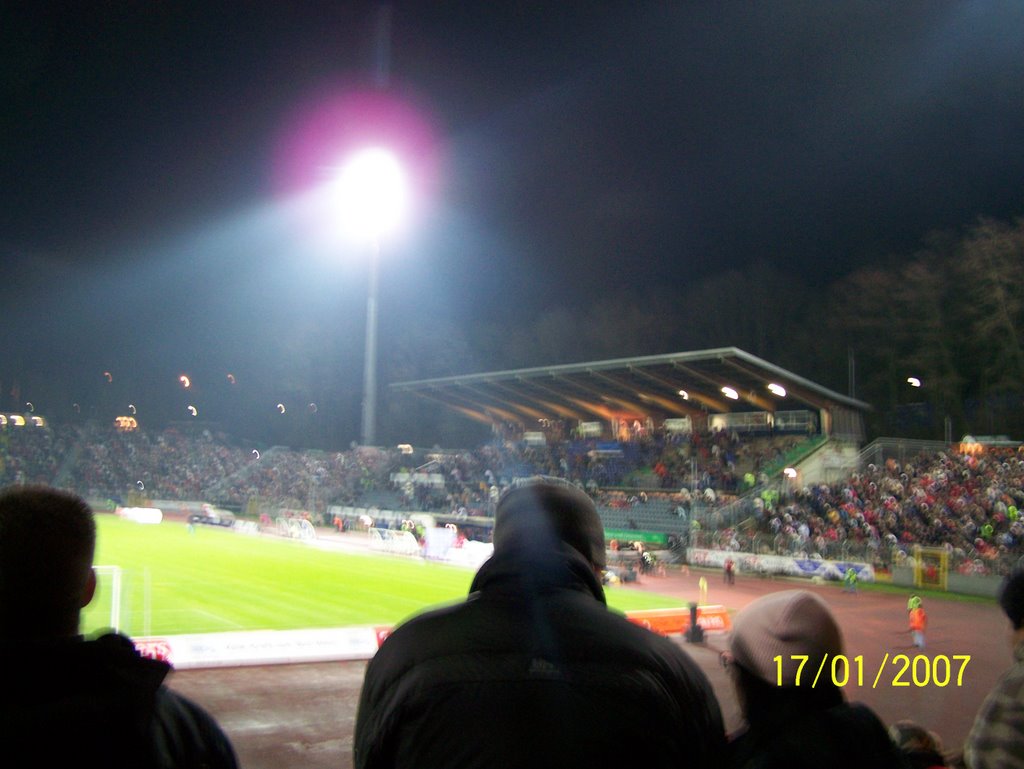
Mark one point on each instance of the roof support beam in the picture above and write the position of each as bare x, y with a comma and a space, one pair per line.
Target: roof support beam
803, 393
697, 395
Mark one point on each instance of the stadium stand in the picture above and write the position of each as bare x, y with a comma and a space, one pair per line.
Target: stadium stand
720, 490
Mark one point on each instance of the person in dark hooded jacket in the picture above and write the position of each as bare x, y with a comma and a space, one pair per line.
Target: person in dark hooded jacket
796, 718
533, 669
67, 701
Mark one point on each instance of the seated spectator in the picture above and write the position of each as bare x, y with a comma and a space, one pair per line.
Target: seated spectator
996, 740
790, 723
922, 748
533, 664
66, 701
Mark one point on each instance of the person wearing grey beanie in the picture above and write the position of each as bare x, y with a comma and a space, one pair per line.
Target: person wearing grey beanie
792, 721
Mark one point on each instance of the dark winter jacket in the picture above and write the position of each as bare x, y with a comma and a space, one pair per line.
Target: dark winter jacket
99, 703
845, 736
533, 670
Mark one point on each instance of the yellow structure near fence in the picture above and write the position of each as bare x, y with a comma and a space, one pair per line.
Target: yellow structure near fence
931, 567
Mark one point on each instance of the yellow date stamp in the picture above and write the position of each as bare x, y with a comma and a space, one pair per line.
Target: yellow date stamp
899, 670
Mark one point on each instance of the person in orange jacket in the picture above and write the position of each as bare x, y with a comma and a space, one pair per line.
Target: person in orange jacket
918, 624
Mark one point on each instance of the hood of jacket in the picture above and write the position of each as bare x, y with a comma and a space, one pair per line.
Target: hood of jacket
39, 674
524, 572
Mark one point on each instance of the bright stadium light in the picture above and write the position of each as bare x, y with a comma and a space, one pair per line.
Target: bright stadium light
373, 198
913, 381
373, 194
777, 389
729, 392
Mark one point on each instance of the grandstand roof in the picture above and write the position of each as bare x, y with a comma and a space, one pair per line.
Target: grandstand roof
659, 386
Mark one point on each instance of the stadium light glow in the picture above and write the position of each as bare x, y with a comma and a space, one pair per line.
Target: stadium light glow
728, 392
372, 197
913, 381
372, 194
684, 395
777, 389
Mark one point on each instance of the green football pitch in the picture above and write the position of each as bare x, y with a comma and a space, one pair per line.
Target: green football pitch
173, 581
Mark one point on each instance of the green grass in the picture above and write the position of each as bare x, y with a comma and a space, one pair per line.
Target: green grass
217, 580
924, 592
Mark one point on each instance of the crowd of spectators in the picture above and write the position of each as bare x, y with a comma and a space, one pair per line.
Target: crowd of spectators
968, 504
179, 463
32, 454
683, 484
304, 479
169, 464
675, 468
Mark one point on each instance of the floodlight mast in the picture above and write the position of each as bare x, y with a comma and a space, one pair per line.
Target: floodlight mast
368, 433
374, 197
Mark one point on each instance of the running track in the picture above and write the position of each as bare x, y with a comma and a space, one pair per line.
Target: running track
303, 715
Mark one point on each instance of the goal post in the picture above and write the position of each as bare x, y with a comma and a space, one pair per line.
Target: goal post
110, 582
931, 567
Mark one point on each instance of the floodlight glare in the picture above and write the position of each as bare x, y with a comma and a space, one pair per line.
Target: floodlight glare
777, 389
913, 381
372, 198
730, 393
373, 193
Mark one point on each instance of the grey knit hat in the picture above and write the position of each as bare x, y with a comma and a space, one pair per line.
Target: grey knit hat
543, 511
784, 624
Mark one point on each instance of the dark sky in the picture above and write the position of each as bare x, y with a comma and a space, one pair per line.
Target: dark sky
153, 156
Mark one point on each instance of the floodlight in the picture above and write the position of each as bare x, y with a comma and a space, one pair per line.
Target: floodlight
372, 193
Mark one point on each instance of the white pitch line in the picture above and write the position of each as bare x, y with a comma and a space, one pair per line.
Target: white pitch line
218, 618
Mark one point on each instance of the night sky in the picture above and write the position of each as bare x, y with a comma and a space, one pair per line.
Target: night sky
158, 159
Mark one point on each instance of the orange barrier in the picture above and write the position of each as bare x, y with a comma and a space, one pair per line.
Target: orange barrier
661, 621
669, 621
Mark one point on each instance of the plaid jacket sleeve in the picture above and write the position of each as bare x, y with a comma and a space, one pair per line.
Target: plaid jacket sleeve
996, 740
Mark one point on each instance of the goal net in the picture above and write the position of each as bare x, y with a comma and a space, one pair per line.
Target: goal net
393, 541
296, 528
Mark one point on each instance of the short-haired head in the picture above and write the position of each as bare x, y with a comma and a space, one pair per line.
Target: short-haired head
47, 543
544, 512
1011, 598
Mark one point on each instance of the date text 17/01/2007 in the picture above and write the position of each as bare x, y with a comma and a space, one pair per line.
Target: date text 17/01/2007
897, 671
